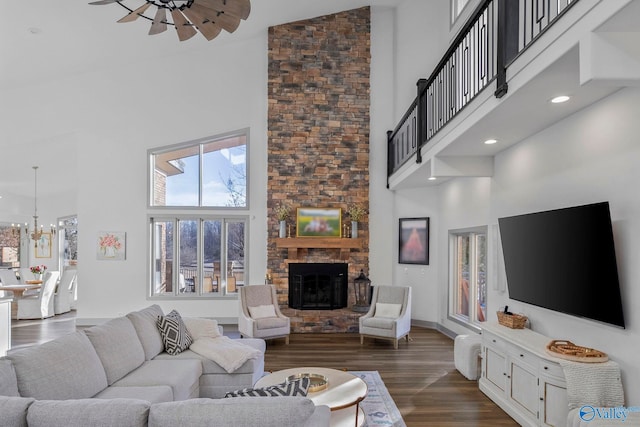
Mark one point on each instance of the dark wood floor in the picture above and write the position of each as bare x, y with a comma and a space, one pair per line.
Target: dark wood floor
420, 375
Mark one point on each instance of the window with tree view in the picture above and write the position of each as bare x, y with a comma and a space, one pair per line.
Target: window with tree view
468, 275
198, 256
206, 173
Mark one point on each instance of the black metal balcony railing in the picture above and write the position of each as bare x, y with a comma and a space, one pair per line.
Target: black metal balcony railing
497, 32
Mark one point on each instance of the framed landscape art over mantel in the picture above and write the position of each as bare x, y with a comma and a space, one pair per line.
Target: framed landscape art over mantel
318, 222
413, 246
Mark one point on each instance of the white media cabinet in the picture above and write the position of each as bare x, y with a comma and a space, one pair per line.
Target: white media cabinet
521, 377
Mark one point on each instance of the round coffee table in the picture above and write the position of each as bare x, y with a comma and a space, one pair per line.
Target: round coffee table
343, 392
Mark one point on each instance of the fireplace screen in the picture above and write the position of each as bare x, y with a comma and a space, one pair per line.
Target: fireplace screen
318, 286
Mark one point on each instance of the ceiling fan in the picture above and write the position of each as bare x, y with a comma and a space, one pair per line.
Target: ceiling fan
209, 17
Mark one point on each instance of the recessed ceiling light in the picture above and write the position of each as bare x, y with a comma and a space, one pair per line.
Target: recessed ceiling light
432, 178
490, 141
560, 99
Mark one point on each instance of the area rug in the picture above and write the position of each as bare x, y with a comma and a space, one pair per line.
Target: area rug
379, 408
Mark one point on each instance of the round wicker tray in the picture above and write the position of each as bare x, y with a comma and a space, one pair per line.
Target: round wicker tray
570, 351
317, 382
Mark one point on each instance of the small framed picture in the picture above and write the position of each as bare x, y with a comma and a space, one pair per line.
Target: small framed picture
318, 222
43, 249
111, 245
414, 241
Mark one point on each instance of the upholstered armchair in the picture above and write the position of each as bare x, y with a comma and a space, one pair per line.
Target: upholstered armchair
39, 306
64, 294
389, 316
260, 315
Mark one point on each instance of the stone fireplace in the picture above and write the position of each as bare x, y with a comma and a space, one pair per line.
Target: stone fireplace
318, 152
318, 286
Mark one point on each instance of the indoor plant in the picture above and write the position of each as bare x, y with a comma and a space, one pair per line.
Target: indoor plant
282, 213
356, 213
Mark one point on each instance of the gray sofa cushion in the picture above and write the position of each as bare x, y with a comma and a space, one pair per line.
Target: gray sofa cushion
145, 323
13, 410
89, 412
152, 394
182, 375
8, 380
118, 347
65, 368
233, 412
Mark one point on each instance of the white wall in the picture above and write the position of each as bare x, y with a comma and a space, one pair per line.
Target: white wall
589, 157
149, 105
115, 115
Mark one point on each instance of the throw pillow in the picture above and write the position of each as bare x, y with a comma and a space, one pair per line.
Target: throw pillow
262, 311
387, 310
200, 328
174, 333
299, 387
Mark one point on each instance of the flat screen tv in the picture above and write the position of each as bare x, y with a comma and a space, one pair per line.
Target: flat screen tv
564, 260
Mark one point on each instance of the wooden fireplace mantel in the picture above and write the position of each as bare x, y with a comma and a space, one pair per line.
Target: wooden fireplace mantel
343, 244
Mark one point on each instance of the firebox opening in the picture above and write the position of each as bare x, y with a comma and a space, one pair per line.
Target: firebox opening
318, 286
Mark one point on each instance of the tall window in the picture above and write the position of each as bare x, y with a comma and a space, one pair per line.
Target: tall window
468, 275
9, 246
211, 172
197, 256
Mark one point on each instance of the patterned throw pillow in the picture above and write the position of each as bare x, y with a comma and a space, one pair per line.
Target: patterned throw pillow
174, 333
298, 387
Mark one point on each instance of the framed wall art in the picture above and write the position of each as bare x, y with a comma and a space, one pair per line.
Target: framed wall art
414, 241
43, 249
318, 222
111, 245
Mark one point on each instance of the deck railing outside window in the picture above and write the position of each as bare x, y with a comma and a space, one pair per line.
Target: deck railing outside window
497, 32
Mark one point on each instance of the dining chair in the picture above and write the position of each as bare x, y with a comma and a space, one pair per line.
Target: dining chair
8, 277
39, 306
62, 297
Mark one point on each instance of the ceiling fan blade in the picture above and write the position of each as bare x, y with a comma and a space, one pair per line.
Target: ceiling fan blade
184, 29
132, 16
237, 8
208, 29
159, 22
100, 2
227, 22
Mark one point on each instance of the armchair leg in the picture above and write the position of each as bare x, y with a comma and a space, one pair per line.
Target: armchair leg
361, 339
395, 343
286, 340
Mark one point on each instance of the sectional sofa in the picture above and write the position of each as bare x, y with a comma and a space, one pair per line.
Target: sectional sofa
118, 374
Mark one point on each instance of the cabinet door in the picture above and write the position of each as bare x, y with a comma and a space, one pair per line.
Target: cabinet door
554, 402
494, 368
524, 386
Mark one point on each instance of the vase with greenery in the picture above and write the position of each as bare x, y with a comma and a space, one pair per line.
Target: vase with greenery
356, 213
282, 213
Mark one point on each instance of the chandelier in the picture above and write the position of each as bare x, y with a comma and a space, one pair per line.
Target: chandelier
37, 232
209, 17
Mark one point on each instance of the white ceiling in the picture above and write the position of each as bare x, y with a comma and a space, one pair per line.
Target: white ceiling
45, 39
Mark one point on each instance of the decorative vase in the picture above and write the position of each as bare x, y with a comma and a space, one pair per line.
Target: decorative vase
38, 276
354, 229
110, 252
283, 229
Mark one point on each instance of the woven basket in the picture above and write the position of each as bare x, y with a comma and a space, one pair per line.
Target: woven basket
513, 321
568, 350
